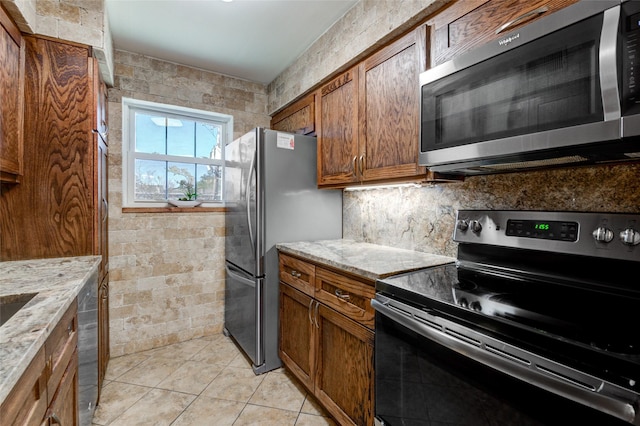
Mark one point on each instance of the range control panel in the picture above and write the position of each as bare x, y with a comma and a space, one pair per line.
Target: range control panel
610, 235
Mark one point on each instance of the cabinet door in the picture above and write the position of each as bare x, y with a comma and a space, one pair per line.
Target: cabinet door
11, 99
389, 109
63, 409
297, 334
103, 330
344, 373
469, 23
52, 213
337, 130
297, 118
26, 403
102, 205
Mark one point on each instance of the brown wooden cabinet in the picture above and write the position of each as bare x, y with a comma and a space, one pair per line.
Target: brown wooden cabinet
47, 392
469, 23
60, 207
298, 117
11, 99
327, 338
368, 118
337, 130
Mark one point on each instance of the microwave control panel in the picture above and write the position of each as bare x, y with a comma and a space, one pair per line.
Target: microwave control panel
630, 26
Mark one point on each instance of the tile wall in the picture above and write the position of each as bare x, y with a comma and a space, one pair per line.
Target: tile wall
422, 218
167, 269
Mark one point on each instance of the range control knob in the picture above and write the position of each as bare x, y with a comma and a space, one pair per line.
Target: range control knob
475, 226
603, 235
630, 237
476, 306
463, 225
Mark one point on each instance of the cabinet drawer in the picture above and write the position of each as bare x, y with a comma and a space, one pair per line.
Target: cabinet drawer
348, 296
60, 347
298, 274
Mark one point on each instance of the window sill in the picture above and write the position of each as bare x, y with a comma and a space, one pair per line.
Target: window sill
220, 209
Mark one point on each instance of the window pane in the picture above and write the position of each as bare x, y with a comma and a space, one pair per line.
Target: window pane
180, 179
209, 182
150, 133
150, 180
181, 137
208, 141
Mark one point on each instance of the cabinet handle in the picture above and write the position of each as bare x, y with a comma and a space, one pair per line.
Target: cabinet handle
523, 17
295, 273
361, 166
355, 165
310, 308
69, 329
55, 420
316, 314
341, 295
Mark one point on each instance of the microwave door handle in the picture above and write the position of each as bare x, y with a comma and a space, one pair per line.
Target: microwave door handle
521, 18
608, 64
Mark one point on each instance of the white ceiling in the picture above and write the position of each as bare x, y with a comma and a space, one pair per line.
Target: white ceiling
251, 39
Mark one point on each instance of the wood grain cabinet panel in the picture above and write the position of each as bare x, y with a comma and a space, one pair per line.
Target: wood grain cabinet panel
11, 99
337, 130
368, 118
469, 23
26, 404
389, 109
326, 339
299, 117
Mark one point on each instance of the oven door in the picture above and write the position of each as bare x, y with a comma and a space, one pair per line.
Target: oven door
518, 100
432, 371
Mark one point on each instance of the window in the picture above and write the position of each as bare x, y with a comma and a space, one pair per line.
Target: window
172, 152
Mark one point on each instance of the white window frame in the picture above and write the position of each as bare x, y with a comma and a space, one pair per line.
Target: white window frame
129, 156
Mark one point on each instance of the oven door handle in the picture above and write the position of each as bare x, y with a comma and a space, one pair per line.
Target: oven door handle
520, 364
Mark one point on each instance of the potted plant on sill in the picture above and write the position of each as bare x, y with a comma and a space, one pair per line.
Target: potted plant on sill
189, 199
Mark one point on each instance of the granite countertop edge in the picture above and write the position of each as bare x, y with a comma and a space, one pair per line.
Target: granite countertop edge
367, 260
56, 282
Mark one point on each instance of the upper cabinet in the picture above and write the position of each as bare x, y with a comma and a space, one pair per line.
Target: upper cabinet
367, 119
299, 117
469, 23
11, 99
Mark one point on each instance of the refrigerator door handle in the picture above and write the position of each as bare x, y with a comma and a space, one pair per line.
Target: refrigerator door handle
248, 195
238, 277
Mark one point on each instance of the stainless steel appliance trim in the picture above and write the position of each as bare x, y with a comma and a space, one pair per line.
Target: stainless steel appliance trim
556, 21
238, 277
558, 138
542, 372
248, 200
608, 66
494, 224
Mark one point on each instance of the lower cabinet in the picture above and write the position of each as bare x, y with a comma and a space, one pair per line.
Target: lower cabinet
47, 392
322, 345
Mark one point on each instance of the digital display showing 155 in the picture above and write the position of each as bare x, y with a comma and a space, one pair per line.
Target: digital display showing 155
549, 230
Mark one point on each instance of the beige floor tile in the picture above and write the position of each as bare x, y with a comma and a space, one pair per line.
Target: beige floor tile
312, 406
222, 352
118, 366
279, 391
253, 415
210, 411
191, 377
151, 371
115, 399
312, 420
235, 384
157, 408
241, 361
183, 350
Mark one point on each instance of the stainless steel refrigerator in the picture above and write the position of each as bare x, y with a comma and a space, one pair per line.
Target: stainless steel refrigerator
271, 197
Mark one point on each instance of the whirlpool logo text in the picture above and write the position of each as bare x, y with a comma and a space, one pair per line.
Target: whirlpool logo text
506, 41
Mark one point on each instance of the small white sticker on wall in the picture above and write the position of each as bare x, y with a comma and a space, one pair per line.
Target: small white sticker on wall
285, 141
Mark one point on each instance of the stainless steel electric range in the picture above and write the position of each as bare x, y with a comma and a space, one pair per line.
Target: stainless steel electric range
537, 323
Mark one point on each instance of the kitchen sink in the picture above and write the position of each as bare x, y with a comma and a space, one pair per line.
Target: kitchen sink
11, 304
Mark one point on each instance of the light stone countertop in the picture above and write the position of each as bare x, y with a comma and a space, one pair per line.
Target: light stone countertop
57, 283
364, 259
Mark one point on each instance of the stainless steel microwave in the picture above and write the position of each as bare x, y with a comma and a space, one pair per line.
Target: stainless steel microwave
562, 90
